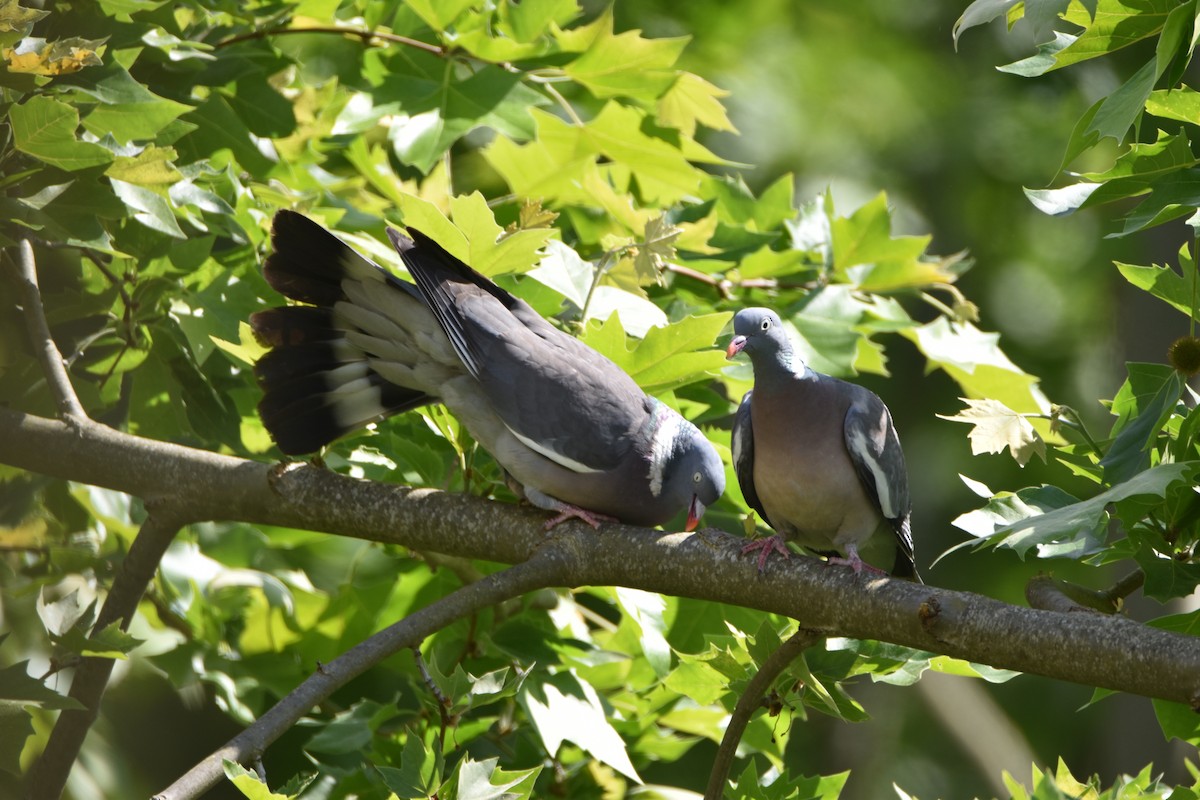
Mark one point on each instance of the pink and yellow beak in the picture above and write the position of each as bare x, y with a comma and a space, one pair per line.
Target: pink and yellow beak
736, 346
695, 512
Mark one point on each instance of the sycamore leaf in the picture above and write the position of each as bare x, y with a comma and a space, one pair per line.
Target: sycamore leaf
150, 167
574, 713
626, 64
1179, 291
16, 18
691, 100
1087, 518
61, 57
656, 249
475, 237
1116, 24
973, 358
248, 783
484, 780
669, 356
45, 129
996, 426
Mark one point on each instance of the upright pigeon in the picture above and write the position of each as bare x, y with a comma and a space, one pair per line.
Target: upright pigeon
818, 458
568, 425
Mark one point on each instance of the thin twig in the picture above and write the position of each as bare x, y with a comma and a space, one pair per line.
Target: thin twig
69, 407
567, 108
750, 701
359, 33
1053, 594
546, 568
49, 775
1125, 587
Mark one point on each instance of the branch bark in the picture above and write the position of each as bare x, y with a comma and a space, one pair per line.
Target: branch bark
1092, 649
43, 344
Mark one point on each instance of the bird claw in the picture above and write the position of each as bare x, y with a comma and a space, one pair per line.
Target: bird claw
767, 546
854, 562
567, 511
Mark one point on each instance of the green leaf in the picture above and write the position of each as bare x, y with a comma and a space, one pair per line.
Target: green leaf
248, 783
697, 681
475, 237
1116, 24
1044, 60
668, 357
439, 14
1117, 113
149, 208
151, 167
139, 120
438, 111
975, 361
420, 772
45, 129
691, 100
1181, 104
219, 128
1129, 453
626, 64
1067, 523
566, 708
484, 780
645, 611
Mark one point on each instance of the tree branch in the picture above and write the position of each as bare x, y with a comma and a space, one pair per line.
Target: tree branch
749, 702
358, 33
69, 407
49, 775
548, 566
1092, 649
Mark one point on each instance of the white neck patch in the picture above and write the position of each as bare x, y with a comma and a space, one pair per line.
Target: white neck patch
667, 427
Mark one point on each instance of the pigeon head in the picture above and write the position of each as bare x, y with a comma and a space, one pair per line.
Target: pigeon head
685, 470
694, 476
759, 332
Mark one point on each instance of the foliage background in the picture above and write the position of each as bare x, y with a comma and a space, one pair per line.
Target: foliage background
859, 98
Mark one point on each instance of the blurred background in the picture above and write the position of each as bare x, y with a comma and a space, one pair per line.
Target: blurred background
871, 96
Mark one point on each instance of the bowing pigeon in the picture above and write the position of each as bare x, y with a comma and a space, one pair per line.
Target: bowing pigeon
818, 458
574, 431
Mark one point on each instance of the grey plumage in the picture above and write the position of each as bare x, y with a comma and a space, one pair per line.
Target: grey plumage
818, 458
566, 423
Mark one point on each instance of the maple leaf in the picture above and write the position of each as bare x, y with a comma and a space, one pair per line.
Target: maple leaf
997, 426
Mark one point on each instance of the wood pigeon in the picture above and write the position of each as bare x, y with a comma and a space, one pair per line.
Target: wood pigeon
574, 431
818, 458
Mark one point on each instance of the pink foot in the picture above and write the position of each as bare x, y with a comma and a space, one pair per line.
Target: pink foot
767, 546
567, 511
854, 562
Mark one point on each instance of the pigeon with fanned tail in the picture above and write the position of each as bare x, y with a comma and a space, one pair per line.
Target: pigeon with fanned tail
818, 458
577, 435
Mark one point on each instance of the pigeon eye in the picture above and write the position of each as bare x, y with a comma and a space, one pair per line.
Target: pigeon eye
766, 324
697, 478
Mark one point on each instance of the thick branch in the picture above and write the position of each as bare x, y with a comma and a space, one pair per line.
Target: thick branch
49, 775
1093, 649
546, 568
748, 703
43, 344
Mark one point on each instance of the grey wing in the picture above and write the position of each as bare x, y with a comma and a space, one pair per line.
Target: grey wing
559, 396
742, 444
874, 449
